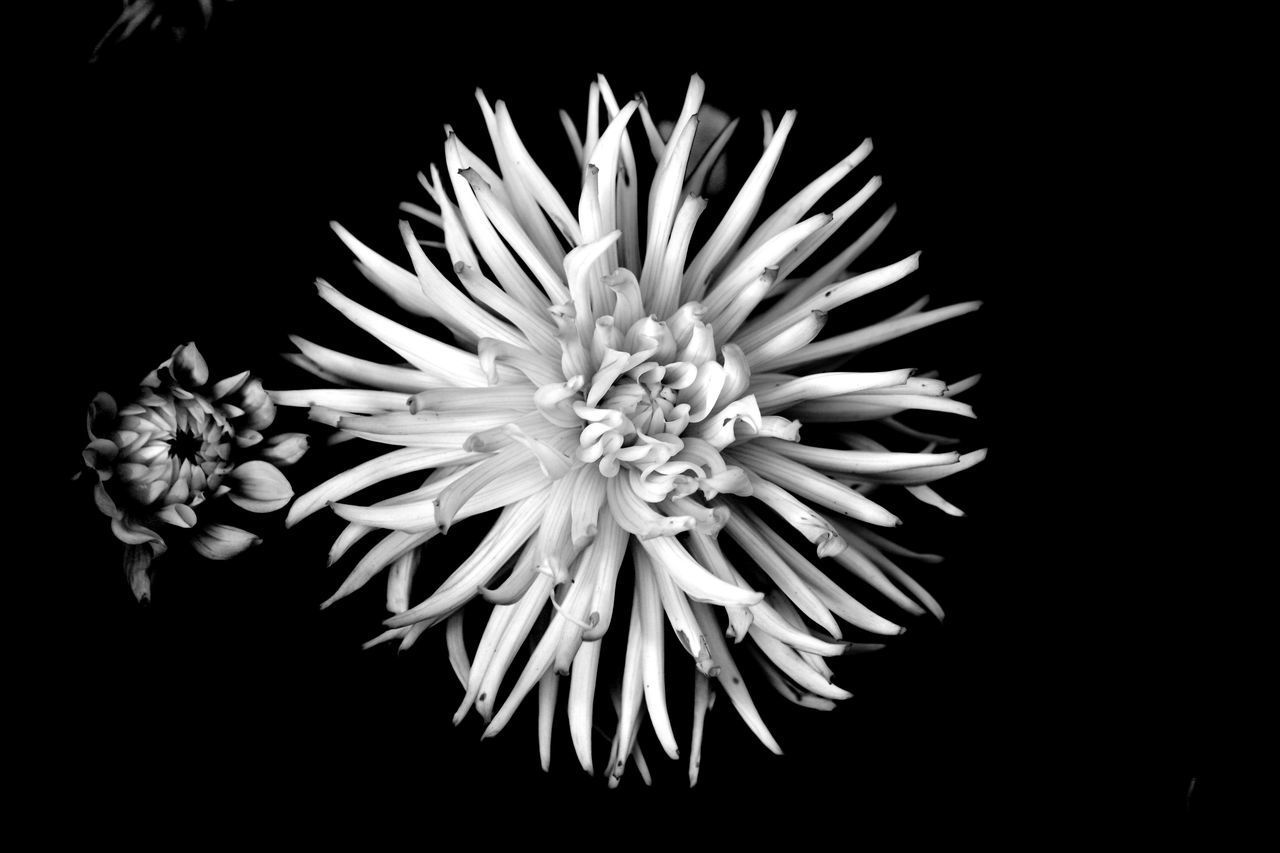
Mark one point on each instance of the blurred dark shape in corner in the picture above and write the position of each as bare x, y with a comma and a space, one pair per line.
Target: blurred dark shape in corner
167, 22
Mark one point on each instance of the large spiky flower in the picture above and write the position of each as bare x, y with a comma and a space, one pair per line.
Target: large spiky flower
626, 392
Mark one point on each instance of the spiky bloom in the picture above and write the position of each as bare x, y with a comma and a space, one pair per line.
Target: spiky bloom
180, 444
626, 397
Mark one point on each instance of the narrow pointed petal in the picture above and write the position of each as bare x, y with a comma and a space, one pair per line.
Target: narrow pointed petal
638, 517
400, 580
456, 645
910, 584
532, 177
511, 230
394, 280
872, 573
928, 474
788, 689
587, 498
804, 482
864, 339
582, 694
833, 270
748, 531
652, 642
525, 612
701, 701
499, 619
509, 462
869, 541
810, 524
343, 399
543, 654
856, 461
929, 496
735, 314
872, 407
610, 546
708, 553
508, 534
731, 678
606, 156
830, 298
679, 614
519, 197
768, 620
537, 329
788, 660
667, 280
392, 546
831, 594
451, 399
538, 367
705, 178
665, 202
446, 364
798, 205
548, 689
525, 571
505, 268
627, 198
730, 284
632, 692
376, 470
729, 232
817, 386
697, 583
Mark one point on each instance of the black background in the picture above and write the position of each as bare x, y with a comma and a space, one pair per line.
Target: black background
196, 187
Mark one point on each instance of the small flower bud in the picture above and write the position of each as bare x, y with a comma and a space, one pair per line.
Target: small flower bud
285, 449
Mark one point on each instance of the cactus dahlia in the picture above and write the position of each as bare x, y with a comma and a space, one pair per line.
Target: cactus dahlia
624, 394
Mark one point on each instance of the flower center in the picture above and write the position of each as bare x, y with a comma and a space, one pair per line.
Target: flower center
174, 445
185, 446
634, 394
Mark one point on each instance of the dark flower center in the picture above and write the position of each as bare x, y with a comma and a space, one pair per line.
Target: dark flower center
185, 446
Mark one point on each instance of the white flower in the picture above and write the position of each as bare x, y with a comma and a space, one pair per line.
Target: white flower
627, 384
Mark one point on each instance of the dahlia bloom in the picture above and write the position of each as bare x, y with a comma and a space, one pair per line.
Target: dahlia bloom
620, 399
181, 443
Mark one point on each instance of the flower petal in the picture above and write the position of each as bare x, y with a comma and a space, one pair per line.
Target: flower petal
258, 486
99, 454
284, 449
222, 541
189, 368
130, 532
179, 515
137, 564
101, 417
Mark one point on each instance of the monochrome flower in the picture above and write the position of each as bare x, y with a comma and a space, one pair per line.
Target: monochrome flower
180, 443
626, 399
